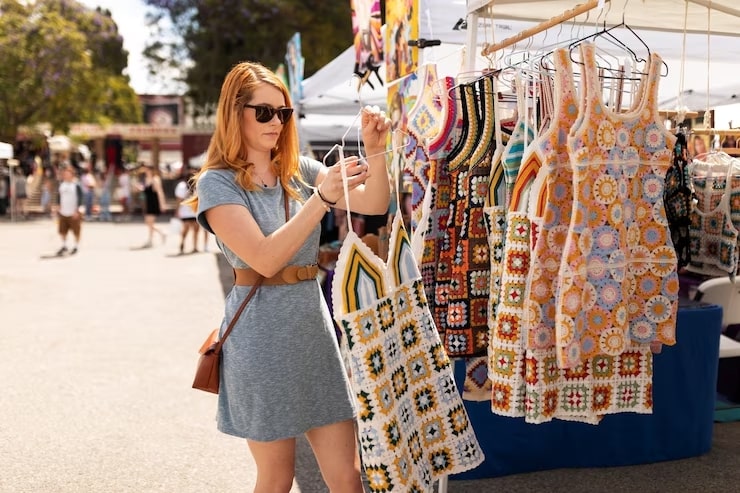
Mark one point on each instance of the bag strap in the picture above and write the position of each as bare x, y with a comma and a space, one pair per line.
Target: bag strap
239, 311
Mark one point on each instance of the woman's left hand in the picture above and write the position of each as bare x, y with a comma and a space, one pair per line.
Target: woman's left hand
375, 125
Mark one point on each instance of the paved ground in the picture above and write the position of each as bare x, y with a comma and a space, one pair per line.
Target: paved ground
97, 353
97, 356
96, 360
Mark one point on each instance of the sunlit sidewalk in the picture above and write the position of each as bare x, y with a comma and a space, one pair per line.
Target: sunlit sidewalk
97, 356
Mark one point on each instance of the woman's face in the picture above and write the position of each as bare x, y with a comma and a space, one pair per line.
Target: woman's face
699, 146
262, 137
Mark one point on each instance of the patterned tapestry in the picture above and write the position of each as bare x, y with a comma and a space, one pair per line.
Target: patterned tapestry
366, 23
402, 25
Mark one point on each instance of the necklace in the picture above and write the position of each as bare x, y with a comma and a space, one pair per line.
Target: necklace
254, 173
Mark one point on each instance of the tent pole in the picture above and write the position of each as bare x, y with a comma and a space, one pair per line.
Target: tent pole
543, 26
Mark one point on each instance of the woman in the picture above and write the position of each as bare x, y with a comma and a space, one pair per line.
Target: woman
154, 203
186, 214
19, 201
282, 375
699, 146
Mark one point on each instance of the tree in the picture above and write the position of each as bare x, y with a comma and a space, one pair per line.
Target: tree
202, 40
61, 63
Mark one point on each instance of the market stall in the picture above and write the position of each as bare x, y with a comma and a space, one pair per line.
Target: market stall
685, 375
545, 392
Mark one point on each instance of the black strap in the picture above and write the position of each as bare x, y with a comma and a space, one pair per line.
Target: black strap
251, 291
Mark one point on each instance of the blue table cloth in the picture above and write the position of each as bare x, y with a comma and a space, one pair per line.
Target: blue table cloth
684, 390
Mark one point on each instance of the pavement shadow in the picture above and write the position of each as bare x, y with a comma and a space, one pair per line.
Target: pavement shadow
307, 473
180, 254
53, 256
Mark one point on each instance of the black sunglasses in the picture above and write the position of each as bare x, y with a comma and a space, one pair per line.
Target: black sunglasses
264, 113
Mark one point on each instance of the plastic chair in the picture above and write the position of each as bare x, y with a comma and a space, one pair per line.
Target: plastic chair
724, 292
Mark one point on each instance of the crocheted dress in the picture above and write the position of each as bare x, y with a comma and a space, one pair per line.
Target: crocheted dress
618, 274
413, 426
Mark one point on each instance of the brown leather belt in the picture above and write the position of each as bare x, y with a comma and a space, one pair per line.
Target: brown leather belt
290, 274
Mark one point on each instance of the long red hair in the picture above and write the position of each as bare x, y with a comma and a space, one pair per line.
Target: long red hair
227, 149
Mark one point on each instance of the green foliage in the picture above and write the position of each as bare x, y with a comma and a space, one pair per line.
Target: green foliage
203, 39
61, 63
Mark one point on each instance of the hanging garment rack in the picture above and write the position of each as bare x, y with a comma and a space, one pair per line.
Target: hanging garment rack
716, 131
488, 49
671, 114
485, 8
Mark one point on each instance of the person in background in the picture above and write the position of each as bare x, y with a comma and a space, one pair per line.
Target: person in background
19, 200
4, 193
105, 194
698, 146
89, 184
154, 203
206, 237
185, 212
123, 193
729, 141
283, 352
68, 210
46, 187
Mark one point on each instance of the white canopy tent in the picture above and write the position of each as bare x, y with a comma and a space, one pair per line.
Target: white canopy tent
699, 39
645, 15
6, 151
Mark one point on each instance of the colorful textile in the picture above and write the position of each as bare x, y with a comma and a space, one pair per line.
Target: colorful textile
465, 243
424, 119
521, 137
678, 197
604, 384
713, 236
439, 192
442, 279
619, 280
506, 347
539, 304
413, 427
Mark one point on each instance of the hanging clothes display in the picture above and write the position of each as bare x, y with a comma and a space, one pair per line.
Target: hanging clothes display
461, 283
602, 384
618, 277
678, 198
713, 233
434, 214
412, 425
505, 346
547, 393
581, 273
424, 121
438, 189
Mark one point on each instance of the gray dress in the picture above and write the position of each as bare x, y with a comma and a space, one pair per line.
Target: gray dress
282, 373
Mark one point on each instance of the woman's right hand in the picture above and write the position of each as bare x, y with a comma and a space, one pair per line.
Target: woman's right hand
357, 172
